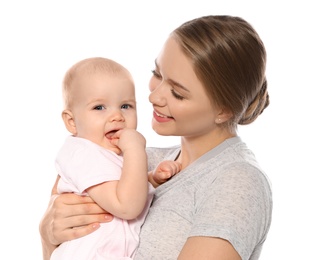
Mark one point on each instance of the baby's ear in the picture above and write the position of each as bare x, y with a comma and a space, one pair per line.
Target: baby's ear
69, 121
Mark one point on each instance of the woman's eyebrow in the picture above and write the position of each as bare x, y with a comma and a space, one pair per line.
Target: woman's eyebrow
178, 85
171, 81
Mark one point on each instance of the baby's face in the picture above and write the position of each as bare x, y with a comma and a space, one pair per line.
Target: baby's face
103, 104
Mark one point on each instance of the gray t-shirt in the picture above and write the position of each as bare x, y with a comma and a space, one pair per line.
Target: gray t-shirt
222, 194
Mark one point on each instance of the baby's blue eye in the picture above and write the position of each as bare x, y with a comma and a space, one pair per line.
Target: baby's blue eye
125, 106
99, 107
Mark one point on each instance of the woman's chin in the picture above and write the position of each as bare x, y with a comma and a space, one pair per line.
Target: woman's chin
160, 131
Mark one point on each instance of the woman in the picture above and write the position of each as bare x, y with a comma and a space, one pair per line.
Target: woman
208, 78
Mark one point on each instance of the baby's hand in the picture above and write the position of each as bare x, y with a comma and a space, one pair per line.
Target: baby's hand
129, 140
165, 170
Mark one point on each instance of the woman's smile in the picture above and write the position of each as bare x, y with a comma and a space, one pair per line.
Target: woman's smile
161, 118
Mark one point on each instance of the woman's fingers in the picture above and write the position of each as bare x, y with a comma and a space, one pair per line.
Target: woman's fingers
73, 216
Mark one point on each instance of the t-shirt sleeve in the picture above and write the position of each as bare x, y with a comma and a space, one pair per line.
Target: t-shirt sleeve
88, 167
235, 208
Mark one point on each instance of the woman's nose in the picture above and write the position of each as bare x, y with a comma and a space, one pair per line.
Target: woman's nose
152, 86
157, 96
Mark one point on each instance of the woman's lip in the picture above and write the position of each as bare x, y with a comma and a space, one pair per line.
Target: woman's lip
160, 117
158, 114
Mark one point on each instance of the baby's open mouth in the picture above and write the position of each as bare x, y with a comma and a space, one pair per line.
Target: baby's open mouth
110, 134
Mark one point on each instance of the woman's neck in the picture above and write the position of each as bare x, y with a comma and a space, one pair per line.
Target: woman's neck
193, 148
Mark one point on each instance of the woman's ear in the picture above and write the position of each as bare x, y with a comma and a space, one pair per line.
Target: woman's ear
69, 121
223, 116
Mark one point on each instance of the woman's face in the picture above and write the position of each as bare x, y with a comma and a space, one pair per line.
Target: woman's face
181, 105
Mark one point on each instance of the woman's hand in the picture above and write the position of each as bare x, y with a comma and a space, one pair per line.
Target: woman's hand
68, 217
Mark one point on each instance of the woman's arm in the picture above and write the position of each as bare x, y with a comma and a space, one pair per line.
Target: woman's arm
208, 248
67, 217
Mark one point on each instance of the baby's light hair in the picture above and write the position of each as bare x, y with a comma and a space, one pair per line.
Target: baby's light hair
88, 66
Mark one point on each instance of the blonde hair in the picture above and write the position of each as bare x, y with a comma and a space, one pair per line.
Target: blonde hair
88, 66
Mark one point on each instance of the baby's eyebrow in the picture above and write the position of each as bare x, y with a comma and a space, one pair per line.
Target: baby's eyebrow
94, 101
129, 101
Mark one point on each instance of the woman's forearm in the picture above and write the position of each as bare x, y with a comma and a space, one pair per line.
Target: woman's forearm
47, 249
47, 246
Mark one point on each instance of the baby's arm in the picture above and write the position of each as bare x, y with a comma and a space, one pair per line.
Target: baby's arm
164, 171
126, 197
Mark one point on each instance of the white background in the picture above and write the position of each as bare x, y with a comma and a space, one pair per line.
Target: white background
41, 39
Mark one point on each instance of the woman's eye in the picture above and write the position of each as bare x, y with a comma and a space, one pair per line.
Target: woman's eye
99, 107
156, 74
177, 96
